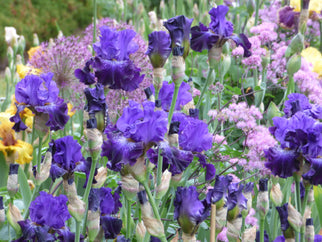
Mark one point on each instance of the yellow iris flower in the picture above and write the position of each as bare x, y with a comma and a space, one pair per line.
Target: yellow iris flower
14, 150
315, 5
313, 56
26, 115
24, 70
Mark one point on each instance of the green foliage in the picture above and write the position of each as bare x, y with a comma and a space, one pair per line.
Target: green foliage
43, 17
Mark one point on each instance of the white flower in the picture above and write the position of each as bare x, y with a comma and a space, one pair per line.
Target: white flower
11, 36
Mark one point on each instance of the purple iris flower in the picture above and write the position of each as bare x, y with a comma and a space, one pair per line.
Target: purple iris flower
220, 189
179, 29
210, 168
112, 64
280, 238
34, 232
111, 226
218, 32
282, 211
85, 76
314, 175
193, 133
49, 210
266, 238
236, 196
96, 100
66, 154
109, 203
40, 94
159, 48
173, 159
19, 124
166, 93
85, 166
189, 210
120, 150
145, 125
296, 102
282, 163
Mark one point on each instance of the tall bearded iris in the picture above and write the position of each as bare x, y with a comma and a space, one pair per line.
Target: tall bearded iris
112, 63
40, 94
218, 32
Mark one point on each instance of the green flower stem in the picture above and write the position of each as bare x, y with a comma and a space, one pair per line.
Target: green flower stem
159, 170
94, 23
87, 190
34, 194
39, 154
256, 11
170, 208
298, 195
307, 190
128, 218
261, 226
275, 224
205, 87
77, 234
33, 134
174, 100
320, 35
154, 207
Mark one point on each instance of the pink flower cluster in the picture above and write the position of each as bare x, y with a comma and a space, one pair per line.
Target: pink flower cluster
277, 68
309, 82
266, 32
255, 60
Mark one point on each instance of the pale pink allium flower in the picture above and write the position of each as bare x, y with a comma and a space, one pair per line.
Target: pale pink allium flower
251, 218
266, 32
222, 236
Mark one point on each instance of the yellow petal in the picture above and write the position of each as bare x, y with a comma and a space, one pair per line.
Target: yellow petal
70, 110
313, 56
32, 51
315, 5
24, 70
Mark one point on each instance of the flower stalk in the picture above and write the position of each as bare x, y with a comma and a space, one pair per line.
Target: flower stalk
208, 82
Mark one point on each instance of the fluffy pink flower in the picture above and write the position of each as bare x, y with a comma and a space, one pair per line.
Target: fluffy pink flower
222, 236
251, 219
266, 32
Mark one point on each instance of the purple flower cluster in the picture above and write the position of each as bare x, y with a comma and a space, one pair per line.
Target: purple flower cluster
40, 94
300, 137
48, 215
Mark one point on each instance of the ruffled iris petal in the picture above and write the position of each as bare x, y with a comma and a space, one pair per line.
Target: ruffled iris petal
243, 41
314, 175
202, 38
111, 226
219, 25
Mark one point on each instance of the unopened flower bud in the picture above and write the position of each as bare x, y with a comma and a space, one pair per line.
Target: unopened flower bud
272, 111
153, 225
95, 141
164, 185
249, 234
294, 218
12, 184
310, 199
100, 177
176, 179
139, 169
2, 212
76, 207
7, 74
35, 41
11, 36
93, 219
153, 19
21, 44
188, 237
262, 198
221, 217
140, 231
10, 54
225, 65
297, 44
195, 11
178, 66
276, 195
130, 186
158, 76
214, 56
293, 64
234, 227
44, 169
309, 230
13, 217
173, 137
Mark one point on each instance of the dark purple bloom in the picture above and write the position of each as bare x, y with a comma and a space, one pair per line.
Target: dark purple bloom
85, 76
159, 48
282, 211
145, 125
188, 209
287, 18
49, 210
314, 175
166, 93
111, 226
282, 163
65, 235
112, 64
210, 168
19, 125
317, 238
96, 101
296, 102
85, 166
173, 159
40, 93
94, 199
280, 238
249, 187
219, 31
109, 203
236, 197
34, 232
120, 151
66, 155
179, 29
193, 133
220, 189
